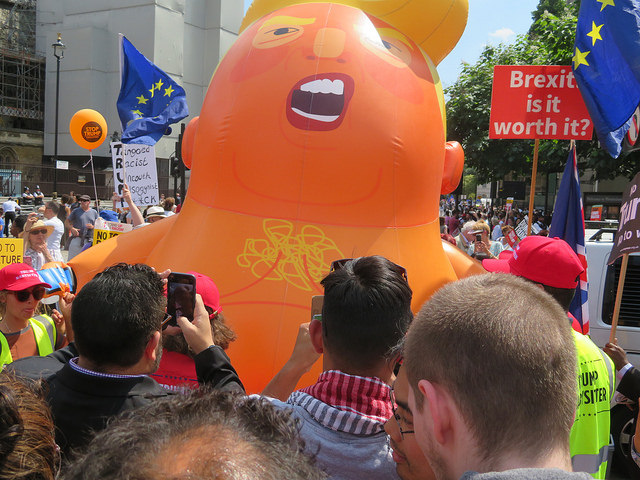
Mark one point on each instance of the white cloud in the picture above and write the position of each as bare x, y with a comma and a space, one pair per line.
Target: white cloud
503, 35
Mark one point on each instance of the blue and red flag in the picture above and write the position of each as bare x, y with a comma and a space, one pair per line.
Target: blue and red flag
568, 224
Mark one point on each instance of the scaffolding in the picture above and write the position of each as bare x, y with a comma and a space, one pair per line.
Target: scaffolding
22, 70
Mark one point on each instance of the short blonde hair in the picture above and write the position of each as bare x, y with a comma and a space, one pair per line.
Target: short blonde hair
505, 363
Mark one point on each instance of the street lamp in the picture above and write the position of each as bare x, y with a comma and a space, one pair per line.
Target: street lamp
58, 52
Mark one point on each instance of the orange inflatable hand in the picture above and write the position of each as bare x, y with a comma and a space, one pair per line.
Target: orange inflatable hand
453, 165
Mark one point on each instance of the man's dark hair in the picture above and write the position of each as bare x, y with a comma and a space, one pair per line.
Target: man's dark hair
53, 206
209, 434
20, 221
116, 313
366, 311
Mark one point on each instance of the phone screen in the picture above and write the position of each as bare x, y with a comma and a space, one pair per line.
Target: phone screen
478, 237
181, 296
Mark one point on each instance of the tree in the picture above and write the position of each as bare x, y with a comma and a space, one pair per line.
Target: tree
549, 42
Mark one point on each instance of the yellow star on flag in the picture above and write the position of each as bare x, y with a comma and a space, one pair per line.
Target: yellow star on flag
168, 91
152, 89
595, 32
606, 3
159, 85
141, 99
137, 112
580, 58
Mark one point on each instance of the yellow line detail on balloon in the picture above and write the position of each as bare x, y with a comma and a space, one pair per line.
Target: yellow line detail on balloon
301, 259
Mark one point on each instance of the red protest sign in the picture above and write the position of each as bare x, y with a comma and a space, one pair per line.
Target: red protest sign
537, 101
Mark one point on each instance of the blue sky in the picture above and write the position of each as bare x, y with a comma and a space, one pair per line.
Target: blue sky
490, 22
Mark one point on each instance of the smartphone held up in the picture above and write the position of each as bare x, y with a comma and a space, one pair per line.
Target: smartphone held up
181, 296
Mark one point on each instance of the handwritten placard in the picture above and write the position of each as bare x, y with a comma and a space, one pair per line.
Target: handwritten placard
136, 164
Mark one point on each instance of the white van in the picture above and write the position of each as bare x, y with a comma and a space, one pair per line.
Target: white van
603, 286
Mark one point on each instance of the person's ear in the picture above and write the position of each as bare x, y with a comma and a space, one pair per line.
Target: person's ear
315, 333
152, 345
453, 165
440, 410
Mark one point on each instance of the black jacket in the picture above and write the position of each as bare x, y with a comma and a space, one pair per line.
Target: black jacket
629, 385
82, 403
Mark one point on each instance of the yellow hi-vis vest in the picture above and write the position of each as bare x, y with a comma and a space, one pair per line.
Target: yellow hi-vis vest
589, 440
44, 330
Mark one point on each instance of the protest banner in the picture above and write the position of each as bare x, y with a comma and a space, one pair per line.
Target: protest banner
512, 238
11, 251
521, 229
104, 230
136, 165
626, 241
537, 101
534, 102
509, 205
596, 213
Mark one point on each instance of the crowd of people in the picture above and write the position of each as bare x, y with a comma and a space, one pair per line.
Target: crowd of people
109, 386
483, 231
68, 224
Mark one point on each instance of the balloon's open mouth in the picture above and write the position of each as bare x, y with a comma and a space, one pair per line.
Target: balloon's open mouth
319, 102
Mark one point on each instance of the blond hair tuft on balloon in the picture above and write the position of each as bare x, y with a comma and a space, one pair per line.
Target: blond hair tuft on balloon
435, 25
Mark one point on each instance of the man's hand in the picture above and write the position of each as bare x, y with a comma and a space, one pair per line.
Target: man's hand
304, 355
62, 318
126, 194
197, 333
31, 219
617, 354
89, 226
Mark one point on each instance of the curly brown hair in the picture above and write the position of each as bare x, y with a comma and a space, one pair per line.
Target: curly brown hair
27, 445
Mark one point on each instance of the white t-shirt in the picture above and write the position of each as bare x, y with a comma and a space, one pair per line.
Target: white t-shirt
10, 206
53, 242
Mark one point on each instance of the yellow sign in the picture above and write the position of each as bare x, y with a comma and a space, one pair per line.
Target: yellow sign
105, 230
11, 251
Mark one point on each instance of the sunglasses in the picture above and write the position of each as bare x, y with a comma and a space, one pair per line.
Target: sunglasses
23, 295
339, 264
42, 231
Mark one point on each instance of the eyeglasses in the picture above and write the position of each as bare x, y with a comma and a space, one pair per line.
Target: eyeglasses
392, 397
42, 231
23, 295
339, 264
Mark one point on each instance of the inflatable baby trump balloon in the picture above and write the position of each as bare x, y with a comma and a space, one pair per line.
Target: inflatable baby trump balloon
321, 137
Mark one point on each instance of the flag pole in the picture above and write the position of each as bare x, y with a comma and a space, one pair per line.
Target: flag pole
616, 308
532, 193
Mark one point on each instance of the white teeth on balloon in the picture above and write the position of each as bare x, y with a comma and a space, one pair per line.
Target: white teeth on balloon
312, 116
324, 86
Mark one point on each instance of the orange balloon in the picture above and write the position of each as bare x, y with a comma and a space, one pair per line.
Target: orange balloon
88, 128
321, 137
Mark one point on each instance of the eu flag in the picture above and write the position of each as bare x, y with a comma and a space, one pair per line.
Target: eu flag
568, 224
149, 99
606, 65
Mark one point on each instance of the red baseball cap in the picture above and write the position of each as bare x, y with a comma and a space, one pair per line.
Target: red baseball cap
207, 289
549, 261
19, 276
